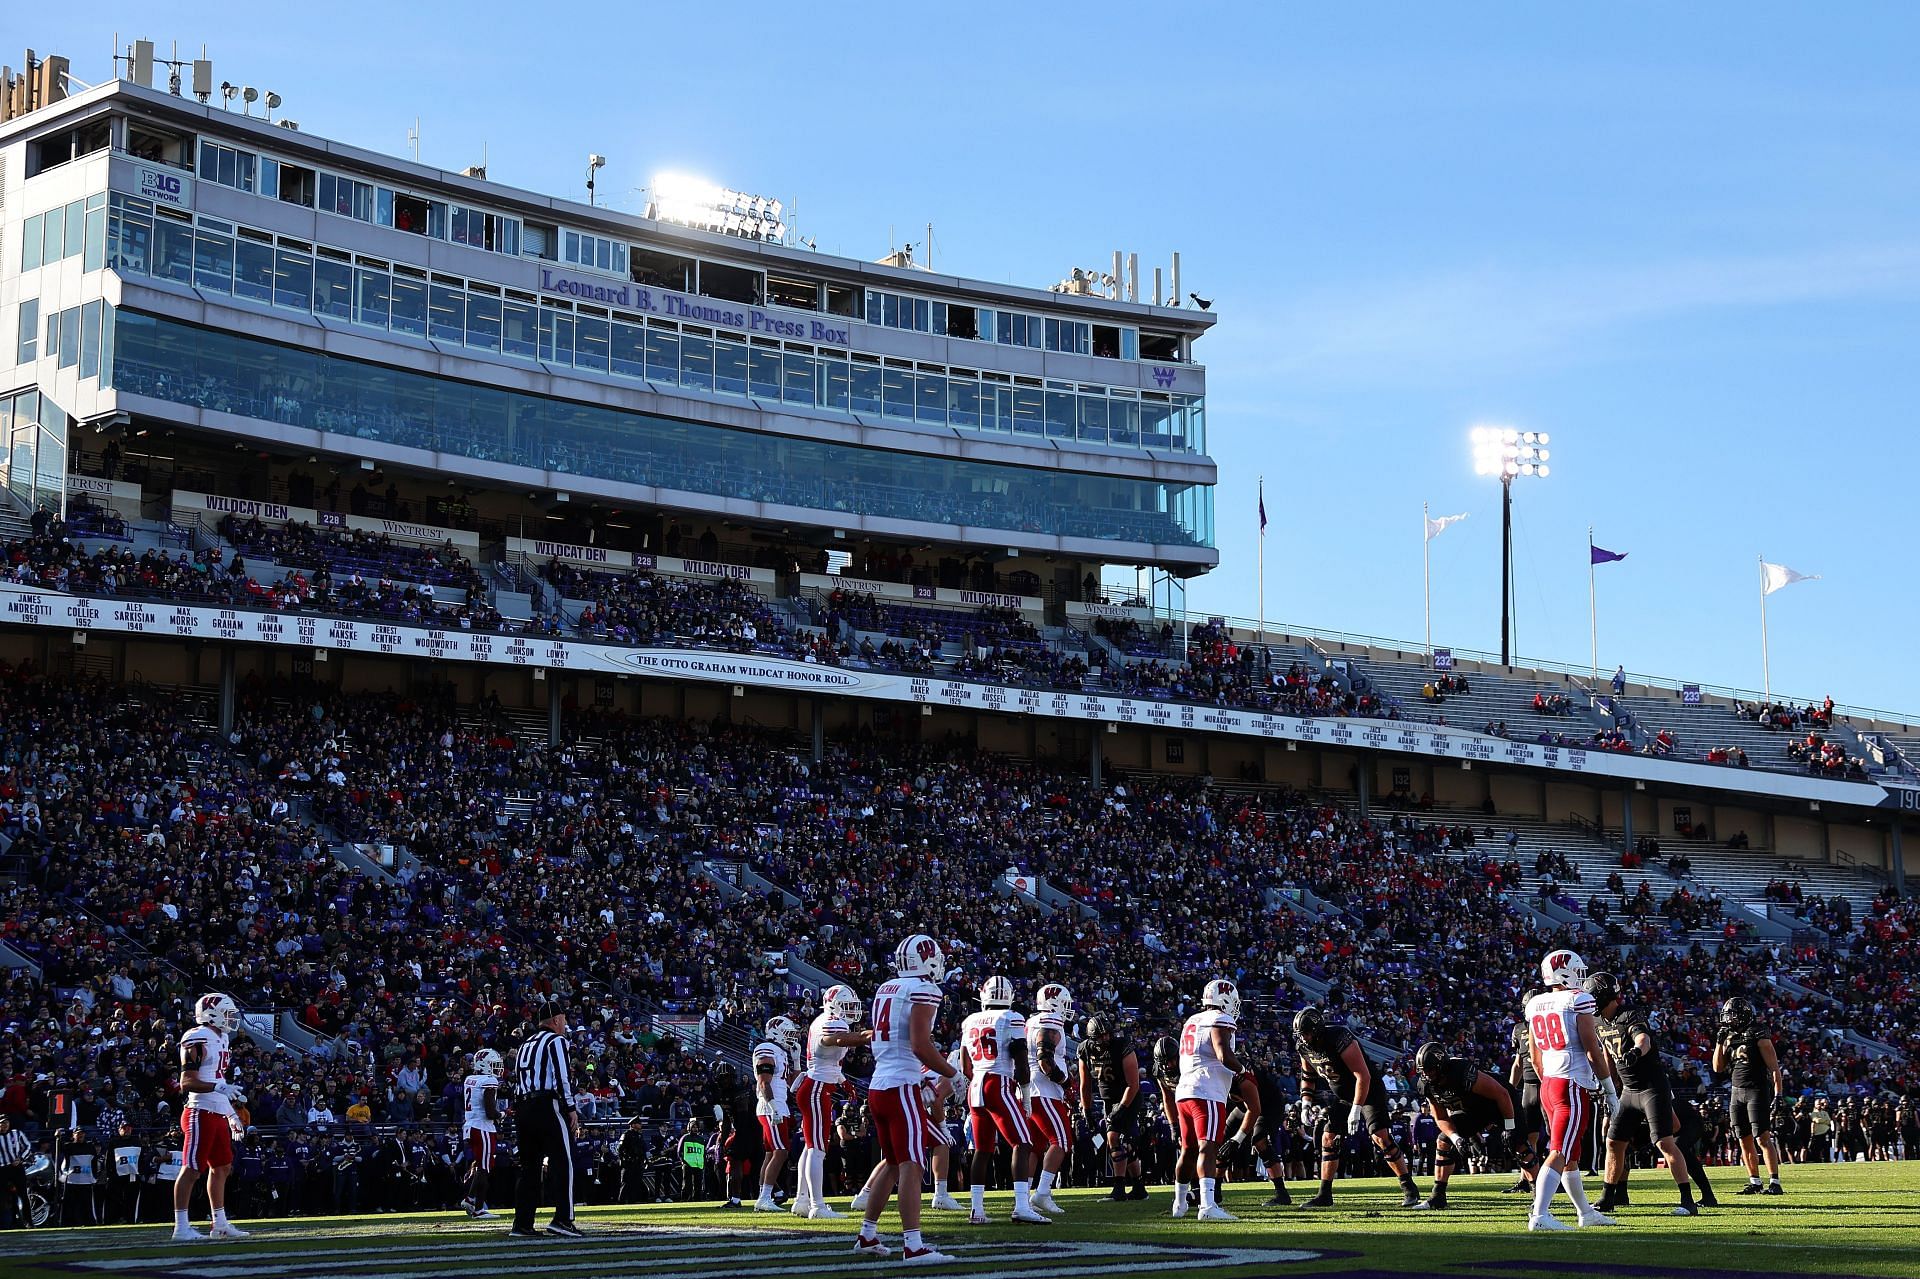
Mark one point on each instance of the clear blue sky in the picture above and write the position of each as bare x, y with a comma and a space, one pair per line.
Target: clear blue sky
1682, 239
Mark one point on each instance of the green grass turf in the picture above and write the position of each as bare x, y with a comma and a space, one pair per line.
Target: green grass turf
1841, 1220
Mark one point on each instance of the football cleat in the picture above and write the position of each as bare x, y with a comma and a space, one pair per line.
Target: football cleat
1138, 1192
1411, 1200
1685, 1210
521, 1234
976, 1219
1179, 1208
1522, 1185
766, 1205
1774, 1188
1028, 1216
1214, 1212
1548, 1222
1598, 1219
1319, 1201
799, 1207
945, 1203
486, 1214
821, 1212
565, 1230
1279, 1199
1046, 1204
187, 1234
926, 1256
1751, 1188
226, 1230
859, 1203
871, 1248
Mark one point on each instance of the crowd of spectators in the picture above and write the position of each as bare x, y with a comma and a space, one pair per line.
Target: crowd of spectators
350, 551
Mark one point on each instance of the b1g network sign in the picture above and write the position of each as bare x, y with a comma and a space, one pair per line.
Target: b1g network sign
180, 621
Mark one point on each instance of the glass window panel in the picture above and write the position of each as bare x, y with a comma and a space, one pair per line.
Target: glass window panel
764, 372
663, 356
269, 183
519, 327
373, 290
556, 343
896, 392
628, 349
866, 387
293, 280
209, 161
253, 270
1060, 424
224, 166
1123, 423
28, 349
90, 338
836, 385
796, 386
52, 235
940, 318
930, 399
730, 366
96, 234
963, 403
76, 228
483, 321
106, 348
1027, 410
31, 235
1155, 428
921, 318
446, 313
890, 311
333, 288
409, 313
213, 261
1093, 419
173, 250
696, 361
69, 337
590, 343
874, 307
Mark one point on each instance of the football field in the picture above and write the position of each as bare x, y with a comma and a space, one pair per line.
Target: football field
1834, 1220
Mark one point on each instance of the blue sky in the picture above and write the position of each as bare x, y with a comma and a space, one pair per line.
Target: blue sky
1682, 240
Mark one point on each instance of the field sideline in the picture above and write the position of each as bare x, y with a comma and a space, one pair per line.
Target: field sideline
1836, 1220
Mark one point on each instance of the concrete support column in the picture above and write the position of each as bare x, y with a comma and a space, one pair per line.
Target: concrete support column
1095, 762
553, 710
819, 729
226, 690
1626, 820
1896, 862
1363, 784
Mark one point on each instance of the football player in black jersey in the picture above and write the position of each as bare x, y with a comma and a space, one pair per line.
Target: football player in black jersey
1259, 1108
1646, 1099
1331, 1055
1746, 1049
1530, 1119
1110, 1069
1465, 1102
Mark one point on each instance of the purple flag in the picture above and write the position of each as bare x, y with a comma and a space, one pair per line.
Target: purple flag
1263, 507
1603, 556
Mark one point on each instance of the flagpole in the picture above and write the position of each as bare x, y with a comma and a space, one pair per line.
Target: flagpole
1593, 613
1426, 571
1766, 667
1263, 559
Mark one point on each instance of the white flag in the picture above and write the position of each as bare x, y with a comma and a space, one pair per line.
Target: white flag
1775, 576
1436, 527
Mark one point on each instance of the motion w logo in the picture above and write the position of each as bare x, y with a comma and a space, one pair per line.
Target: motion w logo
1163, 378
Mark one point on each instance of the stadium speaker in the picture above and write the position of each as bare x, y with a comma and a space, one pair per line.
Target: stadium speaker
79, 639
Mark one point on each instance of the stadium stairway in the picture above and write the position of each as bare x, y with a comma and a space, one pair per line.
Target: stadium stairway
1490, 697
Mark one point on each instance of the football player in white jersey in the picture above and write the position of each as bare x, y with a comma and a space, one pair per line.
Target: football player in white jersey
943, 1157
480, 1093
903, 1052
1208, 1069
829, 1037
994, 1041
1572, 1063
1047, 1093
775, 1062
209, 1124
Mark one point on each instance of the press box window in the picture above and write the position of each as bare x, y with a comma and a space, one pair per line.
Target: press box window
297, 185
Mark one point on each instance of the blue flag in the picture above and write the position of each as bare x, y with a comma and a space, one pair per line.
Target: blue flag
1603, 556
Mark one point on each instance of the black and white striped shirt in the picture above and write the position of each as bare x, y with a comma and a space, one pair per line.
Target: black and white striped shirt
14, 1149
541, 1067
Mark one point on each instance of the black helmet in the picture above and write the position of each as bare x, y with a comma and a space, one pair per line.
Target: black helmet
1604, 987
1737, 1013
1166, 1060
1427, 1060
1309, 1024
1099, 1026
724, 1075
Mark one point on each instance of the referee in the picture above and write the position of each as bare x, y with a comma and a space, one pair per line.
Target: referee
14, 1151
545, 1123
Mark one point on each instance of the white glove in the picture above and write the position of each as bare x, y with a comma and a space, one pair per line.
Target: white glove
1460, 1143
1611, 1093
230, 1091
1508, 1121
1356, 1120
236, 1128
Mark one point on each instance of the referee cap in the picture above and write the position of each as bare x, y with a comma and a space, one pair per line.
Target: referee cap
547, 1007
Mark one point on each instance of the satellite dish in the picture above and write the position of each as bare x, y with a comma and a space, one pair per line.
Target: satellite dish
250, 94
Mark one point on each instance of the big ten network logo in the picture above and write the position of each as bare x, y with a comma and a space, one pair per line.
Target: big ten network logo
1163, 377
158, 184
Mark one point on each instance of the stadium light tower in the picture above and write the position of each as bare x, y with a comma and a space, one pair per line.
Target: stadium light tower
1509, 454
